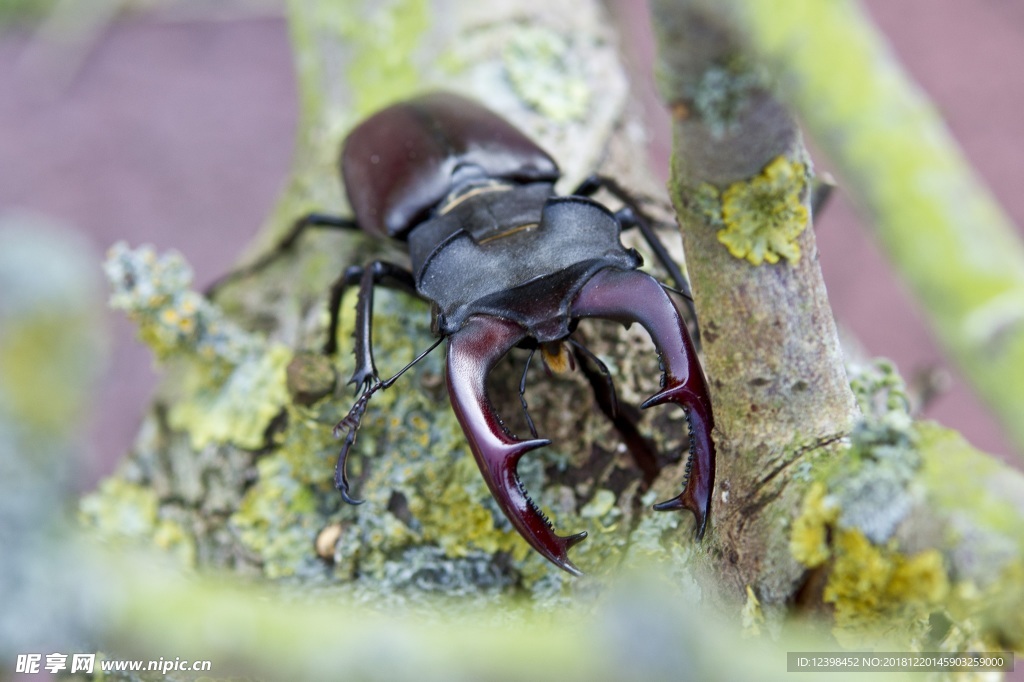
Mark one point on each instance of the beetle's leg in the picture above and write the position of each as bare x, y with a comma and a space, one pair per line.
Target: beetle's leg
634, 216
365, 375
377, 272
350, 424
472, 353
599, 377
623, 417
631, 216
629, 296
286, 243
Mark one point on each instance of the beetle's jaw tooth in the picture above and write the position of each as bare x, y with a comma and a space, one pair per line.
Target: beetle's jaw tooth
696, 495
529, 501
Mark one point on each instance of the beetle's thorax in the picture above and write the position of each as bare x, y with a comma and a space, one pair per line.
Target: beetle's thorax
516, 252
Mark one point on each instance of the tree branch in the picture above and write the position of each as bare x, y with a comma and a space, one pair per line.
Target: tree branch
779, 387
939, 225
863, 522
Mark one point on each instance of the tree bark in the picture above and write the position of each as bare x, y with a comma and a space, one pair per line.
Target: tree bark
812, 512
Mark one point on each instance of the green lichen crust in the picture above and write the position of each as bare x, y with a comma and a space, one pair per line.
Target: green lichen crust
123, 511
52, 350
915, 533
234, 382
721, 93
547, 74
243, 476
763, 217
940, 226
385, 38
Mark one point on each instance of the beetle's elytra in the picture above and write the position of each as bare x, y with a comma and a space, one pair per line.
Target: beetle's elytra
504, 262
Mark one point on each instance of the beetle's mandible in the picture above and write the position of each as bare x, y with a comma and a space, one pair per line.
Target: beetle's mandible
504, 262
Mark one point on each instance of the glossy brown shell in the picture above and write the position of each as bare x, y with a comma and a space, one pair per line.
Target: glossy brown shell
401, 162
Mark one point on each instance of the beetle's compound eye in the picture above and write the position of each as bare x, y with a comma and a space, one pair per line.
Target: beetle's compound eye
472, 353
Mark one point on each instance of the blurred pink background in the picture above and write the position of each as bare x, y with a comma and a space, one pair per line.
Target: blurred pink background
178, 132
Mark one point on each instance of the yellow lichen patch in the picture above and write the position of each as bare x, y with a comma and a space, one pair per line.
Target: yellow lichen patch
473, 527
808, 542
993, 612
764, 216
175, 540
120, 508
235, 410
276, 519
920, 578
753, 617
879, 592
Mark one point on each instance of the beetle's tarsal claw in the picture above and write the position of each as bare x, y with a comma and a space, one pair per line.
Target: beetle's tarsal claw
349, 425
472, 353
340, 474
348, 498
633, 296
363, 381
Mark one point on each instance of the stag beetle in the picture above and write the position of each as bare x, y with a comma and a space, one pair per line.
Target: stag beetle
504, 262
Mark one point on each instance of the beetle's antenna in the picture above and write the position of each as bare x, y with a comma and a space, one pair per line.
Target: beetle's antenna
286, 243
684, 294
351, 422
392, 380
522, 395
